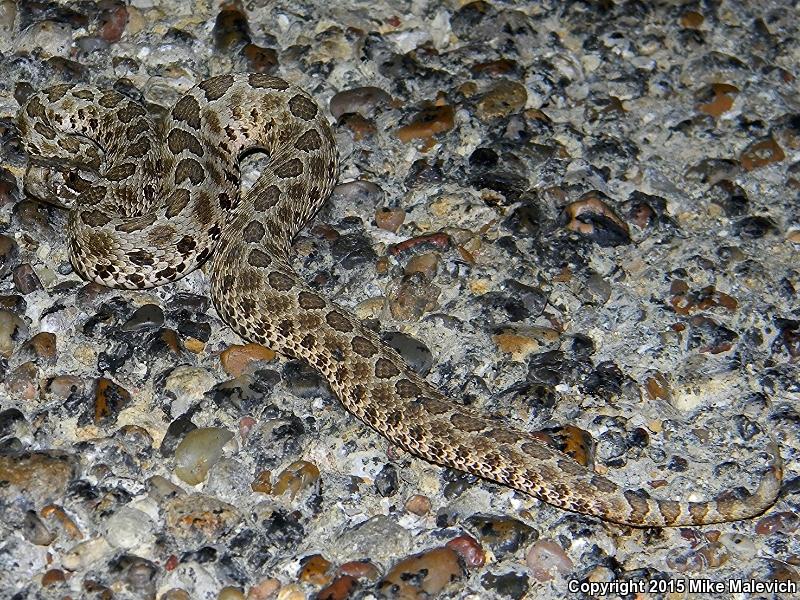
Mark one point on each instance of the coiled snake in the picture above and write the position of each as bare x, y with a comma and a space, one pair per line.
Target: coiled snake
148, 205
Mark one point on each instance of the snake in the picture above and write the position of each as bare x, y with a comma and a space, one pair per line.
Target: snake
150, 200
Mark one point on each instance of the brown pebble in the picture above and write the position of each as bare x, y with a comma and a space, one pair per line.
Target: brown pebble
503, 99
760, 154
469, 550
175, 594
53, 577
36, 475
592, 217
360, 569
425, 573
362, 128
426, 264
315, 570
691, 19
390, 219
412, 296
43, 347
361, 100
418, 505
260, 60
264, 590
236, 358
114, 22
299, 475
262, 483
63, 520
109, 399
23, 382
230, 593
784, 522
546, 559
716, 99
427, 123
340, 588
687, 302
25, 279
440, 241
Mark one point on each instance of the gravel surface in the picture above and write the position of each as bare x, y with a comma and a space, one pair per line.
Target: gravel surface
581, 218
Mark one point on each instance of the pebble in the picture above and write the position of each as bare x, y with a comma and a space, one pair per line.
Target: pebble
427, 264
412, 296
299, 476
199, 450
237, 358
339, 589
418, 505
128, 528
41, 348
148, 316
25, 279
592, 217
23, 382
13, 331
415, 353
780, 522
546, 560
361, 100
428, 123
469, 550
38, 477
760, 154
9, 253
423, 575
386, 482
711, 555
504, 535
504, 98
507, 585
109, 400
199, 519
389, 219
230, 593
85, 554
315, 570
264, 590
380, 538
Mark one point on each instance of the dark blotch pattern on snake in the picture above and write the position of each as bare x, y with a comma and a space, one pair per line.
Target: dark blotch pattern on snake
148, 205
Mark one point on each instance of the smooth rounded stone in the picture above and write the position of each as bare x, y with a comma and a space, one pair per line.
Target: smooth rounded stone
504, 98
9, 251
230, 593
360, 569
412, 296
237, 358
53, 577
198, 518
503, 535
781, 522
147, 316
707, 556
128, 528
428, 123
187, 385
361, 100
516, 302
13, 331
422, 575
110, 399
381, 538
414, 352
469, 550
352, 250
11, 421
390, 219
23, 382
162, 489
198, 451
41, 348
66, 386
418, 505
546, 559
39, 477
340, 588
506, 585
299, 476
85, 554
357, 192
315, 570
266, 589
427, 264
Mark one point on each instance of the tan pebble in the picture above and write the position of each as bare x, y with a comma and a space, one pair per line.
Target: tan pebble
23, 382
426, 264
262, 483
315, 570
427, 123
412, 296
760, 154
390, 219
360, 569
658, 387
691, 19
382, 265
418, 505
175, 594
43, 345
362, 128
237, 357
264, 590
794, 236
230, 593
198, 517
198, 451
297, 476
53, 577
291, 592
546, 559
503, 99
12, 331
64, 520
426, 573
135, 21
370, 308
782, 522
194, 345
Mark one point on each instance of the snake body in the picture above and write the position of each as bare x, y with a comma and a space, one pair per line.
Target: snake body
149, 204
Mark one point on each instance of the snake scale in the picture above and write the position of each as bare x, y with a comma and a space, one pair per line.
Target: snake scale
149, 203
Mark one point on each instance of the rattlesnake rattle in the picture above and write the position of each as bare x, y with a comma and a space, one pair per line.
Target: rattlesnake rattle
149, 205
